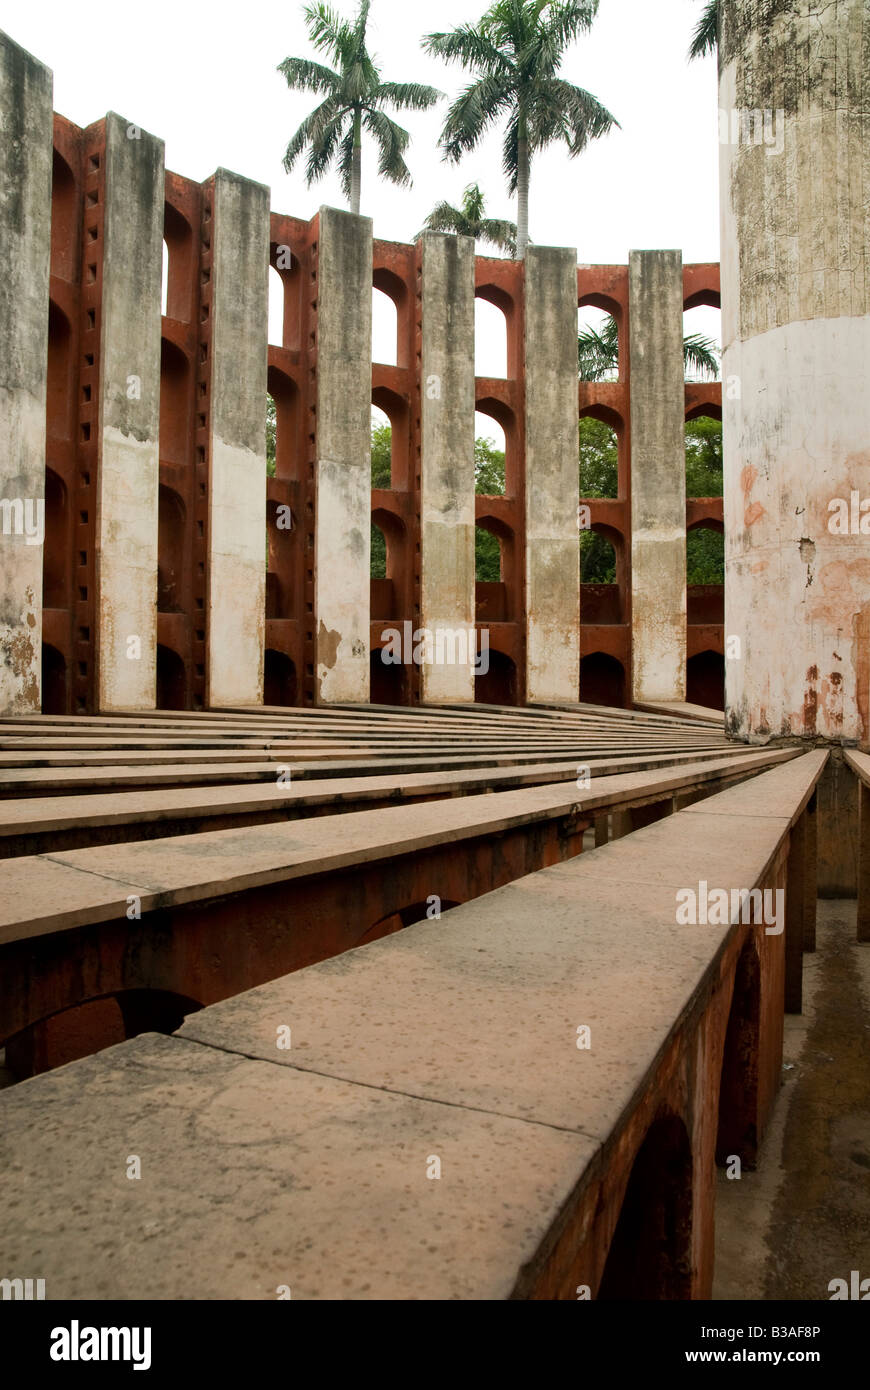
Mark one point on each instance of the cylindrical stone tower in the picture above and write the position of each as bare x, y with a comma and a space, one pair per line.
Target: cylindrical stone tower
794, 114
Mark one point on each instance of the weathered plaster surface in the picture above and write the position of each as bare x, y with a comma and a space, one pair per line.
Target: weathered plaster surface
796, 332
658, 477
447, 484
237, 490
25, 215
552, 476
126, 521
344, 395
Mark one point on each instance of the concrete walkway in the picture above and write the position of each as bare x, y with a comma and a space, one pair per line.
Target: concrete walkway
803, 1218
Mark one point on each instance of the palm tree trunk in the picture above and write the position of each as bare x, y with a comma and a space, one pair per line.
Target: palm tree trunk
356, 165
522, 191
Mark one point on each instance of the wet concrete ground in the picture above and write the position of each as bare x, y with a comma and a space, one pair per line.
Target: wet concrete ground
803, 1217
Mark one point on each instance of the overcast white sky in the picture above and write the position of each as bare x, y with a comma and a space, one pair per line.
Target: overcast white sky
202, 76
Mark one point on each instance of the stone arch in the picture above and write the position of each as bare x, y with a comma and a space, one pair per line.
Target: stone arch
650, 1255
171, 679
738, 1087
705, 679
55, 697
171, 532
55, 554
279, 678
602, 680
498, 686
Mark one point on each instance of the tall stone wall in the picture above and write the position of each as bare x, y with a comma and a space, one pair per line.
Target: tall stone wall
182, 570
25, 212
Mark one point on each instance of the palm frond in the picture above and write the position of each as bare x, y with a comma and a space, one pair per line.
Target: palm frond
311, 130
561, 110
471, 114
598, 351
444, 217
303, 75
706, 36
392, 141
471, 47
327, 29
701, 355
322, 149
499, 232
409, 96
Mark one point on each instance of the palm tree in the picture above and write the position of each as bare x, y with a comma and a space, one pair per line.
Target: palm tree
598, 351
469, 220
354, 98
516, 49
706, 35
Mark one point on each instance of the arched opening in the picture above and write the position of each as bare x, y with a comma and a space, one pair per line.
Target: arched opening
87, 1028
59, 394
406, 917
388, 681
391, 409
387, 564
702, 342
65, 234
170, 549
495, 558
54, 685
55, 555
705, 680
489, 456
602, 680
378, 568
705, 556
385, 329
738, 1088
173, 403
178, 265
600, 449
650, 1255
487, 557
598, 341
382, 449
279, 600
704, 455
490, 339
279, 679
282, 406
498, 685
276, 308
171, 679
494, 421
285, 332
164, 280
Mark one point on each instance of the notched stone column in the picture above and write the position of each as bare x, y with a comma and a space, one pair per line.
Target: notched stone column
552, 476
128, 471
447, 514
342, 559
237, 442
25, 236
658, 476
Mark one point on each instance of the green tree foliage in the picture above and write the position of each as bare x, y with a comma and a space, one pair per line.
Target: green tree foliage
703, 458
271, 437
598, 354
354, 99
705, 557
470, 220
515, 51
706, 35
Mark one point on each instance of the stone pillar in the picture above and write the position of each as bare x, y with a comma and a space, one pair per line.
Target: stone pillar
552, 476
342, 547
658, 476
237, 442
25, 221
794, 99
128, 471
447, 592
